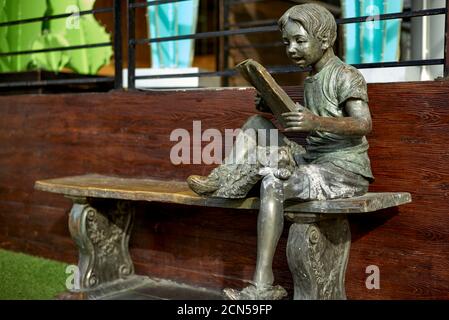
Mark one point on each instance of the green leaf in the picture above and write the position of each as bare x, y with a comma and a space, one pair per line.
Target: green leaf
52, 61
81, 31
4, 47
21, 37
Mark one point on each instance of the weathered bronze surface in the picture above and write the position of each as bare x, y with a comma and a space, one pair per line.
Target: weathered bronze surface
317, 251
271, 97
100, 186
102, 236
317, 255
334, 163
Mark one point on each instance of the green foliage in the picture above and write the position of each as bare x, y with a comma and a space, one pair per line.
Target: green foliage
4, 47
85, 31
20, 37
72, 31
55, 60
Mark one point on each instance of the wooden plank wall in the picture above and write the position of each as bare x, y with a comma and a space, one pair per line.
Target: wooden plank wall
127, 134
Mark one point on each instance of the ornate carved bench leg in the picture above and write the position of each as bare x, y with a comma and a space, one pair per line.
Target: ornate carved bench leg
102, 237
317, 255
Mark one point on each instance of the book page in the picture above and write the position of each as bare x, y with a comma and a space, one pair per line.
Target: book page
275, 97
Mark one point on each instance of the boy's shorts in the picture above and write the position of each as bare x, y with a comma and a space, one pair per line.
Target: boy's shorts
323, 181
306, 181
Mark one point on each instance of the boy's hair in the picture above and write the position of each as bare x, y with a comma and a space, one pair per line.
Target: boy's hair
316, 19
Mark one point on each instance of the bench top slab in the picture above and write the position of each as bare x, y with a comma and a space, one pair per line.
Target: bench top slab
100, 186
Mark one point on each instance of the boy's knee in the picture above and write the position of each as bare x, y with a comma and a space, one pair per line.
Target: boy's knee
272, 187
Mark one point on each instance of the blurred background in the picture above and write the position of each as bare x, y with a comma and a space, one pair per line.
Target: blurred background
196, 43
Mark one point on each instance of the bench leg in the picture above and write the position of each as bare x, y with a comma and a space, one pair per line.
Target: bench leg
317, 255
102, 236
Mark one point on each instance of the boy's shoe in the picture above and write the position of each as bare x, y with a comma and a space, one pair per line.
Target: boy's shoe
202, 185
256, 293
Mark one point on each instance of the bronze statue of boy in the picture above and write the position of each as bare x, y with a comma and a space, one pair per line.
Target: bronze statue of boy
334, 163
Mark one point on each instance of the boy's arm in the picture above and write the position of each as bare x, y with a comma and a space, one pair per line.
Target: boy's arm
357, 123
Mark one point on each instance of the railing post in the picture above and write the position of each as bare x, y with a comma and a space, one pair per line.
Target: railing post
446, 42
224, 40
118, 56
131, 45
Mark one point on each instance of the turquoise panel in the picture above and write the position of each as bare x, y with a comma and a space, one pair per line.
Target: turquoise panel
372, 31
352, 48
374, 40
187, 20
392, 29
173, 19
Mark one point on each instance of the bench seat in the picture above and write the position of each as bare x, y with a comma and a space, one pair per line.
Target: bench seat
317, 250
100, 186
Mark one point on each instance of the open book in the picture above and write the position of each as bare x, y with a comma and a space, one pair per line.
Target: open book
275, 97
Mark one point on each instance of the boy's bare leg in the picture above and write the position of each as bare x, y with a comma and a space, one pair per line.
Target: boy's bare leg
270, 224
269, 229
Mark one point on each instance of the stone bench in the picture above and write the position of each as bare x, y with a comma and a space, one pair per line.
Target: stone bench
318, 243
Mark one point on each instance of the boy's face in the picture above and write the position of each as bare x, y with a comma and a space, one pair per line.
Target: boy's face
303, 49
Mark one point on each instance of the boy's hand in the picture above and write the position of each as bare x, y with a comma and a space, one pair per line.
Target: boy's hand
260, 104
303, 120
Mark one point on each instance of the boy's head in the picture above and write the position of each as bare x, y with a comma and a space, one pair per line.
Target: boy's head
308, 30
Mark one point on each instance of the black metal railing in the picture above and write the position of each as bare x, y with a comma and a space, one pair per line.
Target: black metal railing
115, 80
224, 32
227, 30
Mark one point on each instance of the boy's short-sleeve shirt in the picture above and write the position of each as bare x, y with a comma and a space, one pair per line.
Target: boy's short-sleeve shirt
325, 94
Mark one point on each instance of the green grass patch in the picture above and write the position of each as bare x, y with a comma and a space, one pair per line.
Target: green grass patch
27, 277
